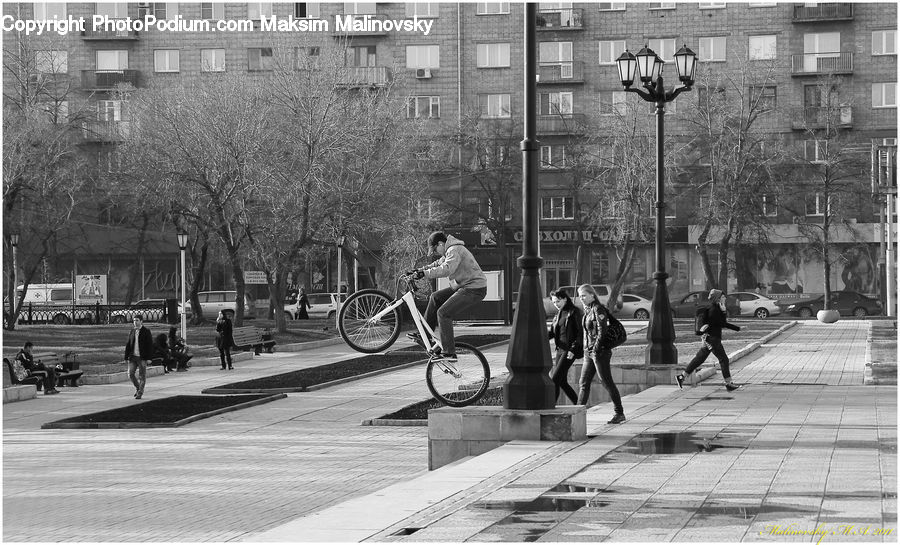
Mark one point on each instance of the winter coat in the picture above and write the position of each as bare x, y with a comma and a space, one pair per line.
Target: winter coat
459, 265
567, 331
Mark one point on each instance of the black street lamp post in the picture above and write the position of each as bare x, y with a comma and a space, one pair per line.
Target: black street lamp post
648, 67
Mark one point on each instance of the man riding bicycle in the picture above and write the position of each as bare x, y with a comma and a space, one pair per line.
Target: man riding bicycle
468, 286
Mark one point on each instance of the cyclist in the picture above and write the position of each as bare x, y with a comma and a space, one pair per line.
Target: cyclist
468, 285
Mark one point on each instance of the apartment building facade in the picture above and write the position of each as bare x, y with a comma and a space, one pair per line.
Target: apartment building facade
470, 65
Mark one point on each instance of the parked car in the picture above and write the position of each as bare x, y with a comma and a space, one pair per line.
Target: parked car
754, 304
847, 303
152, 310
602, 293
635, 306
321, 305
688, 305
211, 302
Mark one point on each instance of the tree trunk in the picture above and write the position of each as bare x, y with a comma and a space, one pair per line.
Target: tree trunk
621, 273
135, 271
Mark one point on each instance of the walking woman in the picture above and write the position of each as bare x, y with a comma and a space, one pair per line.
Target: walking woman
224, 338
713, 319
596, 354
568, 336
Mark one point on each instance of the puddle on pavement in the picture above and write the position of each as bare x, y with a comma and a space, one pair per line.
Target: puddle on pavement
748, 512
670, 443
539, 505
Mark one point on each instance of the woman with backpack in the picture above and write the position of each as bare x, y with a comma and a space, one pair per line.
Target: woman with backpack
709, 326
597, 352
567, 334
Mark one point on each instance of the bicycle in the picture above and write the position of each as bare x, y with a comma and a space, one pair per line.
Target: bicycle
370, 321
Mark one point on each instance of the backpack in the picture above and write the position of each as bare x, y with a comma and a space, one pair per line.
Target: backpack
615, 333
699, 321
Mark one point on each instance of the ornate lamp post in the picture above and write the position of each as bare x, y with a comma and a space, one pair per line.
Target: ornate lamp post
182, 243
340, 256
648, 67
14, 242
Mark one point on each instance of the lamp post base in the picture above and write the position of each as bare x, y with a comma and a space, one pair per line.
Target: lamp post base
661, 332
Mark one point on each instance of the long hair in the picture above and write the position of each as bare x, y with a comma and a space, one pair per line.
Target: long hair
590, 289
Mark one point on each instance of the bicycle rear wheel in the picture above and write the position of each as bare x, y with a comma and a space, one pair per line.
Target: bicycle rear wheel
358, 327
462, 383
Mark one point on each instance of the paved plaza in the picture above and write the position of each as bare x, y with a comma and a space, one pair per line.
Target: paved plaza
804, 452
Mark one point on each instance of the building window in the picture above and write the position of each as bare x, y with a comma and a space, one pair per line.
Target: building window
555, 52
492, 8
712, 5
114, 10
423, 56
815, 204
769, 205
51, 62
306, 10
553, 156
884, 42
257, 10
661, 5
610, 50
712, 49
614, 103
557, 208
763, 98
359, 8
212, 60
555, 103
884, 95
213, 11
815, 151
109, 110
360, 56
612, 6
166, 60
494, 106
422, 9
493, 56
423, 107
762, 4
44, 11
116, 59
762, 47
664, 47
259, 59
165, 10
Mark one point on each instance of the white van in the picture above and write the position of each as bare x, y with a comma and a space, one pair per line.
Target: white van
51, 303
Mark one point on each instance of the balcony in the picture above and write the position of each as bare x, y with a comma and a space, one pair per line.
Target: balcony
364, 76
559, 19
560, 124
823, 12
108, 80
105, 131
822, 117
561, 72
90, 34
360, 24
818, 64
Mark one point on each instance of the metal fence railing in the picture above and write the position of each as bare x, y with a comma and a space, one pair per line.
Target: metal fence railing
92, 314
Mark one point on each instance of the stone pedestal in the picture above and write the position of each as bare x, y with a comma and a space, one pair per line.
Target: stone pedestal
455, 433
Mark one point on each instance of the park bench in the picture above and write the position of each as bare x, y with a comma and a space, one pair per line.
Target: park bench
70, 372
253, 337
34, 379
13, 390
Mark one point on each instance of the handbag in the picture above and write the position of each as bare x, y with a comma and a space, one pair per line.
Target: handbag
615, 333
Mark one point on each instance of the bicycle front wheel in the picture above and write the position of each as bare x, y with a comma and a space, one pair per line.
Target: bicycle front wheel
360, 329
462, 383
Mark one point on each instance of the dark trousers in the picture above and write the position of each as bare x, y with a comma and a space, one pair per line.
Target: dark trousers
560, 375
715, 347
225, 354
445, 305
49, 375
597, 363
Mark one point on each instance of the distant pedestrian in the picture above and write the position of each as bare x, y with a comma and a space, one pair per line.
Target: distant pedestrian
597, 355
224, 338
568, 336
37, 369
302, 305
178, 350
138, 353
711, 321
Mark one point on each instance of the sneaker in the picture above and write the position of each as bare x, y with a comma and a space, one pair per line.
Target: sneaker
618, 418
732, 387
416, 338
51, 392
679, 378
138, 395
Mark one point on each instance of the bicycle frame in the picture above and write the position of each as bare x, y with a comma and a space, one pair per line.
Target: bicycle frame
425, 331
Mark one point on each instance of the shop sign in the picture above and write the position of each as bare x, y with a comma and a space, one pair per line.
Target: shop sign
559, 236
255, 277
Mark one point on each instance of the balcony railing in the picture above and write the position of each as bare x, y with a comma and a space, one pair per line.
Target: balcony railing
364, 76
105, 80
90, 34
823, 12
819, 117
559, 19
822, 63
359, 24
105, 131
561, 72
560, 124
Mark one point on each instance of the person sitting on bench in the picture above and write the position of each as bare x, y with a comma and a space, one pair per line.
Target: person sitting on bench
37, 369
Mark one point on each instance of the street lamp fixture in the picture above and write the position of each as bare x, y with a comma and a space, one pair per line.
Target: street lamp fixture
14, 239
647, 66
182, 244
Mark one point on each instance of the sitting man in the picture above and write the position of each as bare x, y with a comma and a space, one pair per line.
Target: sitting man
468, 285
46, 374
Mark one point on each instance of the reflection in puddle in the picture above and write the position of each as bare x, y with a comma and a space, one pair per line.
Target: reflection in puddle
539, 505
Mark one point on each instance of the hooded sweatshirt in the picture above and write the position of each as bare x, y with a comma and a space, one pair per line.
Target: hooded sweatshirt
459, 265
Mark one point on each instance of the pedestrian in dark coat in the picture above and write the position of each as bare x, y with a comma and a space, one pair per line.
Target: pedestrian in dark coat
224, 339
302, 305
138, 353
597, 355
567, 334
713, 319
